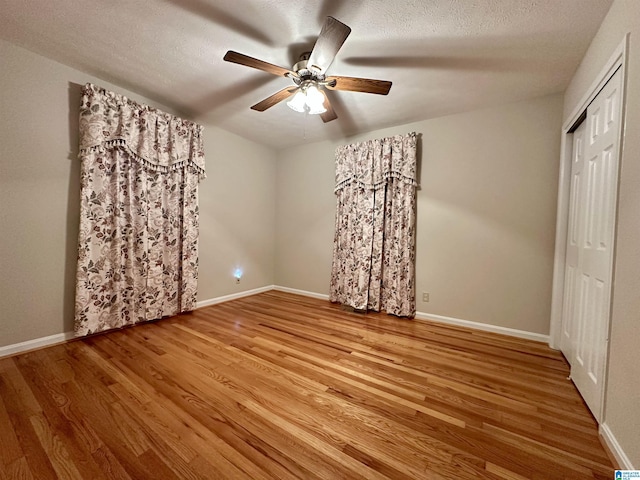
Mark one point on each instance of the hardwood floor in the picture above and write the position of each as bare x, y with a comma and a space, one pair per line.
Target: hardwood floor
282, 386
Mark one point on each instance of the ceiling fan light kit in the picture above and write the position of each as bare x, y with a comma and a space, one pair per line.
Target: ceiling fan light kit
308, 75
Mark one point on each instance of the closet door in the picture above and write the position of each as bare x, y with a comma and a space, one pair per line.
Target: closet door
575, 230
590, 244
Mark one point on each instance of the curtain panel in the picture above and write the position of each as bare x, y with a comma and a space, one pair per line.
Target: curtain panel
138, 238
373, 264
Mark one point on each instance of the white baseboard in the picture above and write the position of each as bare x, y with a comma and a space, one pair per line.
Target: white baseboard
35, 343
614, 447
304, 293
63, 337
538, 337
233, 296
45, 341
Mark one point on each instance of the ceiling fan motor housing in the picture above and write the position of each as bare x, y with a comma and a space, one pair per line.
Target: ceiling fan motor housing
307, 74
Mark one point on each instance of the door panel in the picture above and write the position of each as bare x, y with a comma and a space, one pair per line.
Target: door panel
573, 286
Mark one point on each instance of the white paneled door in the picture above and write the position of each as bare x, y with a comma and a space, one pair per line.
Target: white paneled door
572, 262
590, 243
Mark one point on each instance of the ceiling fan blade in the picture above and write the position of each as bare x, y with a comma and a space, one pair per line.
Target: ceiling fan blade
275, 98
353, 84
248, 61
330, 114
332, 36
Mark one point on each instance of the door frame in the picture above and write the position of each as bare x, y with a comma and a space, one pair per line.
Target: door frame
617, 60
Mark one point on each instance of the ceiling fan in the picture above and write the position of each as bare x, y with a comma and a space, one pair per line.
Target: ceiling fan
309, 75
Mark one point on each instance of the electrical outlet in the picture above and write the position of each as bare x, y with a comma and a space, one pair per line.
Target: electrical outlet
425, 296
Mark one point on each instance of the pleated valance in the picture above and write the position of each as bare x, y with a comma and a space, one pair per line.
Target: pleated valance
163, 142
371, 163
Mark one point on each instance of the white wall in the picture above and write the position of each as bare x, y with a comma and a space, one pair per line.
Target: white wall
39, 199
622, 403
486, 213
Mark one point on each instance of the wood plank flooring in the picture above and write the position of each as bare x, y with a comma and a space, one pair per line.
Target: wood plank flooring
282, 386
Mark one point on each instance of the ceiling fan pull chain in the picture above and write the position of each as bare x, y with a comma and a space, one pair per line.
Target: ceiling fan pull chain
304, 125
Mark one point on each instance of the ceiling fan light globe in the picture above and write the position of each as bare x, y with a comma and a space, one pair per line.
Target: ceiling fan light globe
317, 110
298, 102
315, 101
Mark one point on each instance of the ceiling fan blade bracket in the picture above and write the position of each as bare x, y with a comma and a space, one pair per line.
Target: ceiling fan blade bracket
295, 78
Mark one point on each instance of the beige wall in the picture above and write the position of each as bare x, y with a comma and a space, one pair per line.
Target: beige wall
39, 200
622, 404
305, 211
486, 213
237, 215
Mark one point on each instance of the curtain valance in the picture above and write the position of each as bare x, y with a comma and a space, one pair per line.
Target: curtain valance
163, 142
370, 164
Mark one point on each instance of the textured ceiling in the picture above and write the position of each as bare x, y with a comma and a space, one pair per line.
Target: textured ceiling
443, 56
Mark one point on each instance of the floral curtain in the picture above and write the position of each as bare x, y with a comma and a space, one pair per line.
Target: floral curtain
138, 240
374, 245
